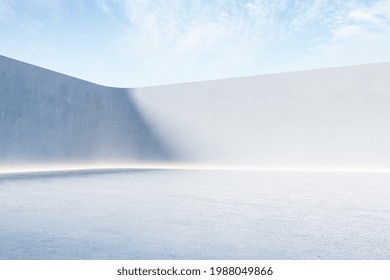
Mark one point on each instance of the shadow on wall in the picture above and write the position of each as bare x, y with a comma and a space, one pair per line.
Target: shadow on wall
46, 117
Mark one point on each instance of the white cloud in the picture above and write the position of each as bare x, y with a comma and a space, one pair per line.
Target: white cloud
365, 23
109, 6
361, 15
104, 6
203, 25
348, 31
227, 38
361, 35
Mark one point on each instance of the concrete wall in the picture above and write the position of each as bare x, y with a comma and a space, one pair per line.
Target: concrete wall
330, 118
47, 117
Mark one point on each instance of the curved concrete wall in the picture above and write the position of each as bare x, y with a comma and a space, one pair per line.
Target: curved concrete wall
330, 118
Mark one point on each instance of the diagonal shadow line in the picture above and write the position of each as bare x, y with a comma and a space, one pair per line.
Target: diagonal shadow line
47, 117
134, 128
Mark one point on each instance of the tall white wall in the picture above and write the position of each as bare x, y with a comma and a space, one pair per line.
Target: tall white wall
330, 118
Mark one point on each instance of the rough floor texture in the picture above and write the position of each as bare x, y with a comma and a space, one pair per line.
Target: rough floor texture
194, 214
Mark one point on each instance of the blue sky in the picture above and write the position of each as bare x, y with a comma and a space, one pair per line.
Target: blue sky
130, 43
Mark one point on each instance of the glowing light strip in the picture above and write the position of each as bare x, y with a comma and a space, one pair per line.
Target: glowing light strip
105, 167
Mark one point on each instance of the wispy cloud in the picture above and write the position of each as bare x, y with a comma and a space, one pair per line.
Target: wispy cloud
110, 6
373, 19
363, 34
231, 37
183, 25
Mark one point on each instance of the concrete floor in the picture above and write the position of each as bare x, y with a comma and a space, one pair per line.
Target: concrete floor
194, 214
